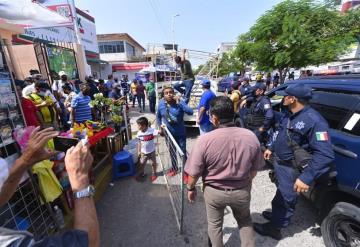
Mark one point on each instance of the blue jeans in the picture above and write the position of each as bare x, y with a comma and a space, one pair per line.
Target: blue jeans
141, 98
184, 87
205, 128
283, 204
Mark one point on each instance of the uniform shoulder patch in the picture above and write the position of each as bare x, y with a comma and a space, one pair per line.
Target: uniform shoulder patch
322, 136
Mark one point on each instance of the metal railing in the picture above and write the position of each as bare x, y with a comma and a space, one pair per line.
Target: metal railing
172, 161
26, 212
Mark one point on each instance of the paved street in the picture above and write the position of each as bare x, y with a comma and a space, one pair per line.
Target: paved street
140, 214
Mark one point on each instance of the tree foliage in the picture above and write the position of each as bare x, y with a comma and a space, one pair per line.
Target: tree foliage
298, 33
229, 62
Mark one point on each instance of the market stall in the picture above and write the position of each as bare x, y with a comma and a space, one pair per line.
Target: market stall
43, 202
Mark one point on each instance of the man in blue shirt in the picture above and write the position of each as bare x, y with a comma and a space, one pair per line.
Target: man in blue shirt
80, 105
203, 117
115, 93
309, 130
171, 114
110, 82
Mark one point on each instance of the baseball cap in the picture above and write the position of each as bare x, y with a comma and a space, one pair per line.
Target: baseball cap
205, 82
259, 85
61, 73
299, 90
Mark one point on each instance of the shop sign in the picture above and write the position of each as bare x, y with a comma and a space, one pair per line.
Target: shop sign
87, 31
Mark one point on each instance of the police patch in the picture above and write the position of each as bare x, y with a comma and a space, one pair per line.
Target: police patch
300, 125
267, 106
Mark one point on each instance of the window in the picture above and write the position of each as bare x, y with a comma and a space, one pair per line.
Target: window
112, 47
130, 50
334, 107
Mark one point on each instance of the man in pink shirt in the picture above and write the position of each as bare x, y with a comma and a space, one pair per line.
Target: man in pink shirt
227, 159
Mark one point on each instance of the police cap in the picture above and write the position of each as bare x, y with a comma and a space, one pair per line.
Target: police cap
259, 85
298, 90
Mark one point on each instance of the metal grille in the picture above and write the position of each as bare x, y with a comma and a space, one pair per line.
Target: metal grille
25, 212
172, 159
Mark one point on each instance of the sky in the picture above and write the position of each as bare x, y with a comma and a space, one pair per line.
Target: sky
201, 24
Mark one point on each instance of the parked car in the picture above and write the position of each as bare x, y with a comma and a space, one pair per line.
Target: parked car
337, 199
226, 83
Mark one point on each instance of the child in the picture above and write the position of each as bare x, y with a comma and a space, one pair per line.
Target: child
146, 147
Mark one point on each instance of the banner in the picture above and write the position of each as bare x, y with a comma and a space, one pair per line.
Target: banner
32, 14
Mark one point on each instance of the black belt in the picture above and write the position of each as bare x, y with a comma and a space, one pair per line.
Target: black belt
223, 189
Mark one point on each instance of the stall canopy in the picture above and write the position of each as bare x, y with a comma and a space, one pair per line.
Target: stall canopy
30, 14
158, 68
129, 66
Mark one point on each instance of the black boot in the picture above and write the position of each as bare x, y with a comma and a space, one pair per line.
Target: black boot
268, 229
267, 214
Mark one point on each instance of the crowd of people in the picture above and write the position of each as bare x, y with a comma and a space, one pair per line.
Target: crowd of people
225, 157
67, 101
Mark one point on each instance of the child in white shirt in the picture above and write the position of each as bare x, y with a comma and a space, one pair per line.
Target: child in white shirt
146, 147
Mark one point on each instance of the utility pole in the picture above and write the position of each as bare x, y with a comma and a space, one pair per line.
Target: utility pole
173, 29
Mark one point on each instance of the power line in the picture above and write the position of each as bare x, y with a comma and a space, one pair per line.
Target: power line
158, 18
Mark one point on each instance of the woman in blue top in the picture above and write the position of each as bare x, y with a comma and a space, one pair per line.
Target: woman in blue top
171, 113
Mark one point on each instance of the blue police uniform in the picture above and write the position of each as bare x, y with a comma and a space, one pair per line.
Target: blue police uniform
259, 114
245, 90
310, 131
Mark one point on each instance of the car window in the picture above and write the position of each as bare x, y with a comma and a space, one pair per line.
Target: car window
352, 126
334, 107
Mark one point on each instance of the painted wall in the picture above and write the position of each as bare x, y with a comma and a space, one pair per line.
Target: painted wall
26, 59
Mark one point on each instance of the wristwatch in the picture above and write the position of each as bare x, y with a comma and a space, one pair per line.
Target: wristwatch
87, 192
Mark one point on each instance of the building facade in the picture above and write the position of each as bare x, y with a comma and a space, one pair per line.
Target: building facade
124, 54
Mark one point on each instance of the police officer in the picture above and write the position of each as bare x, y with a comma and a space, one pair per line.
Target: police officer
309, 131
259, 115
245, 88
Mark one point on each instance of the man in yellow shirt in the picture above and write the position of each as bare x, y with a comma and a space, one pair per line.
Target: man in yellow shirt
133, 88
236, 96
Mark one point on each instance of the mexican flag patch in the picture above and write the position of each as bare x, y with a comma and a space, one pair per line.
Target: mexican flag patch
322, 136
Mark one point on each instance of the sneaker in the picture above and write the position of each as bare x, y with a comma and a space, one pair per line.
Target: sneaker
267, 214
268, 229
171, 173
153, 178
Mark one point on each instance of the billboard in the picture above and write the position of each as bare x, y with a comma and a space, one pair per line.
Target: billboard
62, 59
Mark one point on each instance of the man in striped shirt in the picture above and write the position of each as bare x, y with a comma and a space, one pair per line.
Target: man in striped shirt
80, 105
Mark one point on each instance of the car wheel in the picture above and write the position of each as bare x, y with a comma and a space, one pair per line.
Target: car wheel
342, 226
239, 122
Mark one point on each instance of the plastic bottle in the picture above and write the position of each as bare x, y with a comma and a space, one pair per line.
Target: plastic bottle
59, 217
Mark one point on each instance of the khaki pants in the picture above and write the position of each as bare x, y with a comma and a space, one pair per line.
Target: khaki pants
239, 202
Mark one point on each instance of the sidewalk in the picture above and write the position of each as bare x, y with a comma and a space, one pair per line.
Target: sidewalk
134, 214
